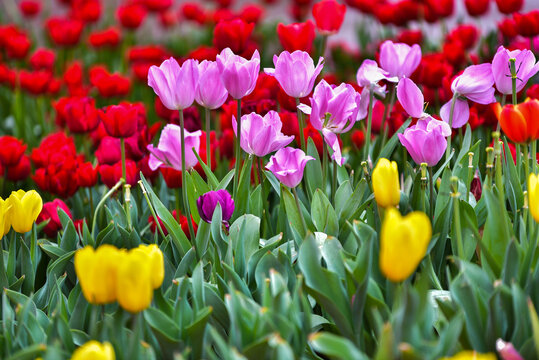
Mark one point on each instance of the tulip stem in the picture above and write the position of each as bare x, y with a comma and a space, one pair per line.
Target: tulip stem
238, 151
387, 113
94, 309
324, 167
513, 70
334, 182
184, 182
157, 223
534, 156
299, 210
369, 123
208, 130
448, 148
301, 126
527, 171
266, 203
456, 216
431, 186
126, 192
102, 201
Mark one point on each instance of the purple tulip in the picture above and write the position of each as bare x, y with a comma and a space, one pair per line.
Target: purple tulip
411, 98
210, 91
167, 153
207, 203
295, 72
507, 351
524, 65
287, 165
399, 59
334, 110
174, 85
369, 74
261, 135
239, 75
475, 84
426, 141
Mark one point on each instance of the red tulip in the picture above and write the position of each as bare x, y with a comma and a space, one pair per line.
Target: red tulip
111, 174
442, 8
157, 5
508, 28
50, 212
328, 15
30, 8
251, 13
527, 24
173, 177
86, 175
42, 59
233, 34
120, 120
477, 7
81, 115
410, 37
64, 32
467, 35
87, 11
358, 139
519, 122
20, 171
11, 150
509, 6
35, 82
109, 37
193, 11
131, 16
15, 41
297, 36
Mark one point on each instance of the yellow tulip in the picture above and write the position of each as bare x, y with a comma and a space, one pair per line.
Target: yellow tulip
403, 243
533, 196
25, 208
471, 355
385, 183
5, 223
94, 350
134, 281
157, 263
97, 272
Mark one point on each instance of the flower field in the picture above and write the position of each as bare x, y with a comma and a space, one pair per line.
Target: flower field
306, 179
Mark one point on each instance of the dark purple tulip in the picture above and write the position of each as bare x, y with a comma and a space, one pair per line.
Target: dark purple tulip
206, 205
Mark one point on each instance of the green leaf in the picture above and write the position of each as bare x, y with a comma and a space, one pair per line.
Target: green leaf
162, 324
393, 141
292, 212
335, 347
313, 169
214, 183
323, 215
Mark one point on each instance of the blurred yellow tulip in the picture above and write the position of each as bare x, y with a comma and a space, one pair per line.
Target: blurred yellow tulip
533, 196
471, 355
5, 223
134, 281
97, 272
157, 263
94, 350
385, 183
403, 243
25, 208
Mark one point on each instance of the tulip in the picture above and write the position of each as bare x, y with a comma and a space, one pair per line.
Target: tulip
475, 84
411, 98
157, 263
131, 16
519, 122
403, 243
167, 151
295, 72
50, 213
476, 7
385, 183
207, 203
65, 31
239, 75
11, 150
287, 165
470, 355
369, 75
120, 121
94, 350
5, 224
30, 8
509, 6
261, 135
25, 208
507, 351
426, 141
233, 34
42, 59
329, 16
134, 281
524, 64
398, 59
533, 195
334, 111
296, 36
527, 24
20, 171
174, 84
210, 90
97, 271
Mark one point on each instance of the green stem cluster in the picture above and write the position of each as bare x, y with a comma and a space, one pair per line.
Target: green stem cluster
184, 182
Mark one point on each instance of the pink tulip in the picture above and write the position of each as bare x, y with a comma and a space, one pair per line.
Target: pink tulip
167, 153
239, 75
287, 165
426, 141
525, 67
210, 90
174, 85
398, 59
261, 135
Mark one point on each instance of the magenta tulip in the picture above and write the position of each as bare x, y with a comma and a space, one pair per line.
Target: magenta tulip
287, 165
426, 141
261, 135
525, 67
210, 90
174, 84
167, 153
369, 75
239, 75
398, 59
411, 98
295, 72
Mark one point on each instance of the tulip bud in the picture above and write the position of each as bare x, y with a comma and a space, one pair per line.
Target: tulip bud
94, 350
25, 208
207, 203
97, 272
134, 281
385, 183
403, 243
157, 263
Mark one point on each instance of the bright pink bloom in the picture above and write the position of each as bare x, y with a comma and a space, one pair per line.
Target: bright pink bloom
168, 151
239, 75
287, 165
174, 84
210, 90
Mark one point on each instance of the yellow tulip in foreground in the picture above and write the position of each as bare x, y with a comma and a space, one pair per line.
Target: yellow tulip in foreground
25, 207
97, 272
157, 263
94, 350
533, 196
471, 355
135, 291
385, 183
5, 223
403, 243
